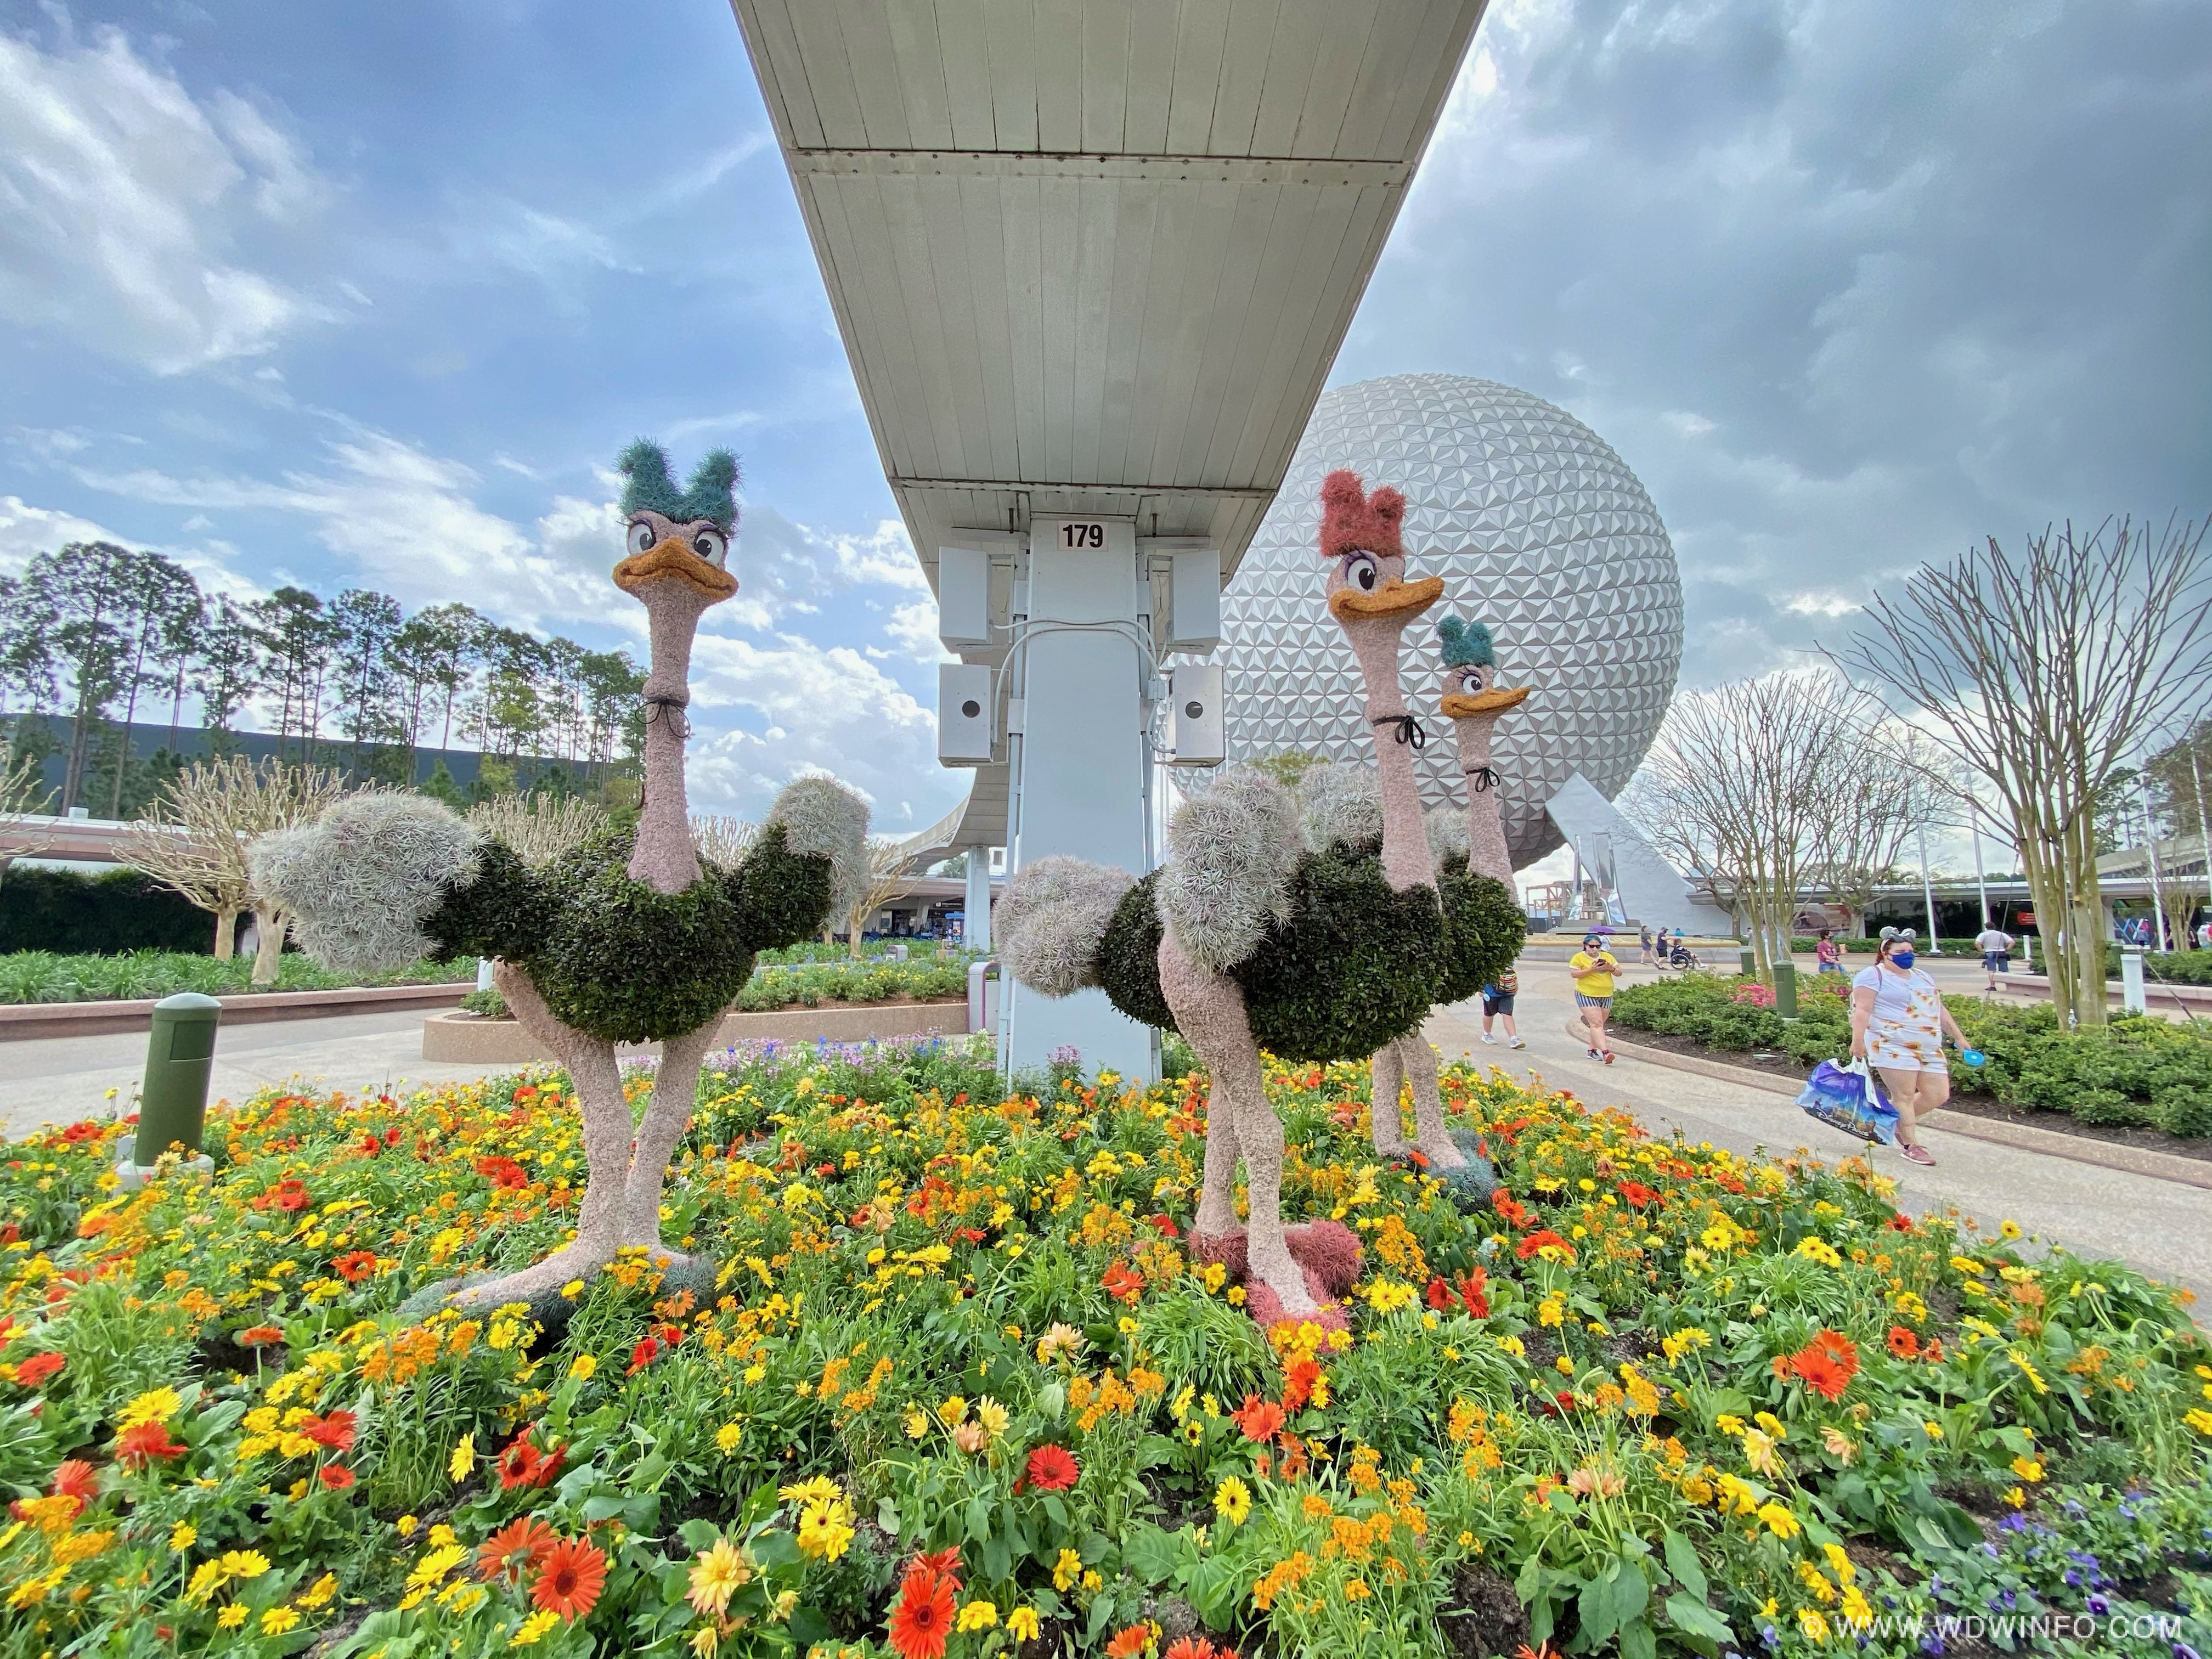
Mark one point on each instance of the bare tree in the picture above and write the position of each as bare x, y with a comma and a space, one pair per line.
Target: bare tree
539, 828
195, 842
1743, 787
720, 840
25, 830
1876, 798
888, 862
2045, 668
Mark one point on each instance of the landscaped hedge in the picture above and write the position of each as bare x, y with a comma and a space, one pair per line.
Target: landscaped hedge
2136, 1070
46, 977
117, 910
878, 979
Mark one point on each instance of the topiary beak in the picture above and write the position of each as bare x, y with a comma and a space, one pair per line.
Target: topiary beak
1392, 599
1495, 700
671, 560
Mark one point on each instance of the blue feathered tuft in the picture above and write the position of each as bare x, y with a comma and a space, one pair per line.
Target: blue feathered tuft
1465, 644
712, 495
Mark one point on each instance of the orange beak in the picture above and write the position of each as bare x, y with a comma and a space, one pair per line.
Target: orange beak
672, 558
1495, 701
1392, 599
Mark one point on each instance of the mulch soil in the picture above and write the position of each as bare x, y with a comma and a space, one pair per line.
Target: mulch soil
1784, 1066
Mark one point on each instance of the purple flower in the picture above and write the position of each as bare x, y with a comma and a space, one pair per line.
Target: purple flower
2099, 1606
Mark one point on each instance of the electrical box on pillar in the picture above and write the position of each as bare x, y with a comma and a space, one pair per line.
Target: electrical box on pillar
1195, 600
964, 598
1196, 723
965, 718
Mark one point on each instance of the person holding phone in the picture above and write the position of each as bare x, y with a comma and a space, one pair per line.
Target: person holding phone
1593, 968
1898, 1023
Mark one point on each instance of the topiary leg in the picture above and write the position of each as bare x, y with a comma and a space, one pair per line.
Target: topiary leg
1209, 1010
1389, 1072
597, 1080
1431, 1133
674, 1094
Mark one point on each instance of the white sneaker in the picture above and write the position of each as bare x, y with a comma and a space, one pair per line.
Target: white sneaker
1519, 1044
1486, 1037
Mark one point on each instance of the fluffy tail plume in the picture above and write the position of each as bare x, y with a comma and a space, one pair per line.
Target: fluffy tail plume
1053, 919
1447, 834
1231, 851
358, 882
822, 816
1341, 806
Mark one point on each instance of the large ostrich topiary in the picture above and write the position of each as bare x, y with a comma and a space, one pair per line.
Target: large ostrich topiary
629, 938
1278, 923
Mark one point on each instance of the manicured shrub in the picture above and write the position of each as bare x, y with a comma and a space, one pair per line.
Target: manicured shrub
71, 912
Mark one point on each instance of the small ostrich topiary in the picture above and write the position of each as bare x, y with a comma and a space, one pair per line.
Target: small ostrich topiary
628, 939
1310, 927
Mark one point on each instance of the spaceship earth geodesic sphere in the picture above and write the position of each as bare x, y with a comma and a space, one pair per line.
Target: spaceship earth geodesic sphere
1538, 529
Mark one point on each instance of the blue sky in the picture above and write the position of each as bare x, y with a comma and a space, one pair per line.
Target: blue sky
373, 295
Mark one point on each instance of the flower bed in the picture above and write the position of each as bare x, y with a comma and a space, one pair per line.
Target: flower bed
2136, 1070
962, 1391
42, 976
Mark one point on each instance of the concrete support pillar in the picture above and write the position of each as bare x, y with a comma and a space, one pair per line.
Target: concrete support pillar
1080, 778
977, 904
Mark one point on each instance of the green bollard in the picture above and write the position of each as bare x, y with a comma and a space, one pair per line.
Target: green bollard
1748, 963
172, 1100
1785, 989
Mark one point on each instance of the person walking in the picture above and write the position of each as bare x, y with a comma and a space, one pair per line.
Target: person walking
1995, 946
1497, 1004
1647, 959
1592, 969
1898, 1023
1827, 953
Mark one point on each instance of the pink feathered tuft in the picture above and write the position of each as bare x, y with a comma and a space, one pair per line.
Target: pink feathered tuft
1352, 518
1327, 1253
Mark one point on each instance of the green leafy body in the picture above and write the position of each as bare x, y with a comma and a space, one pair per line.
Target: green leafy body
1484, 929
620, 960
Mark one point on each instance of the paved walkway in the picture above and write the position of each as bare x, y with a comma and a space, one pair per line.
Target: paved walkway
2160, 1226
62, 1080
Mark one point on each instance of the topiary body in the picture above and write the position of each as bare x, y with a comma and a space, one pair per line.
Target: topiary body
1354, 966
618, 959
1484, 929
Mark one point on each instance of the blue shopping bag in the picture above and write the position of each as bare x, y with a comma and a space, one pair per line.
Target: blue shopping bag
1846, 1096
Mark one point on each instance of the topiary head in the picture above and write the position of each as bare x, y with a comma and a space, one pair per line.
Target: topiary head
677, 541
1469, 686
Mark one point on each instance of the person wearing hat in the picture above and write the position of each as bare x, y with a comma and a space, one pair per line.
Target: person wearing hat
1898, 1023
1592, 969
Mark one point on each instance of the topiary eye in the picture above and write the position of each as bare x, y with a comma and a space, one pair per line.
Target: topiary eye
1360, 571
711, 545
642, 537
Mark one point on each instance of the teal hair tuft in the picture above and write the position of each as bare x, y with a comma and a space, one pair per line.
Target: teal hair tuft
1466, 644
647, 486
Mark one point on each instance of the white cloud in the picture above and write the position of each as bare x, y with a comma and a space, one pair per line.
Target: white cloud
913, 626
122, 201
26, 530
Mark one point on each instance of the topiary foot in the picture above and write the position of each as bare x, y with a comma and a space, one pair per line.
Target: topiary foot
682, 1271
539, 1285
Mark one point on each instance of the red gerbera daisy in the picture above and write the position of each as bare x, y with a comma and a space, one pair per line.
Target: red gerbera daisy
1903, 1343
1840, 1349
1820, 1373
337, 1476
1260, 1419
1129, 1642
1439, 1295
648, 1351
569, 1576
137, 1447
1473, 1293
516, 1550
921, 1618
355, 1265
945, 1563
333, 1430
74, 1478
1299, 1377
1124, 1281
38, 1368
1053, 1469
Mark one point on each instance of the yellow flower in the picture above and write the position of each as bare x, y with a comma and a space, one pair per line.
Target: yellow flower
727, 1437
2199, 1419
818, 1489
1778, 1520
2008, 1229
978, 1615
320, 1591
433, 1567
182, 1537
242, 1564
582, 1366
569, 1292
405, 1525
2017, 1497
952, 1411
705, 1640
274, 1621
154, 1405
1933, 1430
823, 1531
917, 1424
532, 1629
2028, 1469
1355, 1590
232, 1616
991, 1415
1067, 1570
464, 1458
1232, 1501
717, 1575
1023, 1624
1758, 1453
1814, 1626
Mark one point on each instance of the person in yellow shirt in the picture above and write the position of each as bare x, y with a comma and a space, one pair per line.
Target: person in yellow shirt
1592, 969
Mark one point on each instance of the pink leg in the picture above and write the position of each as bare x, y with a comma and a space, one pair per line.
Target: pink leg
1431, 1132
1209, 1010
675, 1094
1389, 1071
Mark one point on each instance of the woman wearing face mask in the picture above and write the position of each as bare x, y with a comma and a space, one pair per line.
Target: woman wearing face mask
1898, 1023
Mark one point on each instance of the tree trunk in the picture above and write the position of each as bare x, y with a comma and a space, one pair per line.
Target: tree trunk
270, 921
2048, 897
225, 932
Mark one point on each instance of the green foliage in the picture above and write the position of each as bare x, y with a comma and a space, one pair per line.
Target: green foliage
780, 897
487, 1004
874, 980
117, 910
1129, 956
45, 976
504, 912
1484, 928
2136, 1070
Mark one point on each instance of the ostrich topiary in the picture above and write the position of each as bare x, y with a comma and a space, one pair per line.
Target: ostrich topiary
1310, 927
628, 938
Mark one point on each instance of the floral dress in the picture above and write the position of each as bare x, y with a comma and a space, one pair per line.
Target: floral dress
1906, 1031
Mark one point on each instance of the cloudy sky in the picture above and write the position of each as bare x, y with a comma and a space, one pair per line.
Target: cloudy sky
373, 295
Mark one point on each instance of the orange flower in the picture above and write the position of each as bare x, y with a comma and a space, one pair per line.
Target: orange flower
516, 1550
38, 1368
921, 1619
354, 1265
1052, 1469
337, 1476
1128, 1643
1124, 1281
261, 1336
1260, 1419
569, 1576
74, 1478
333, 1431
137, 1447
1903, 1343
